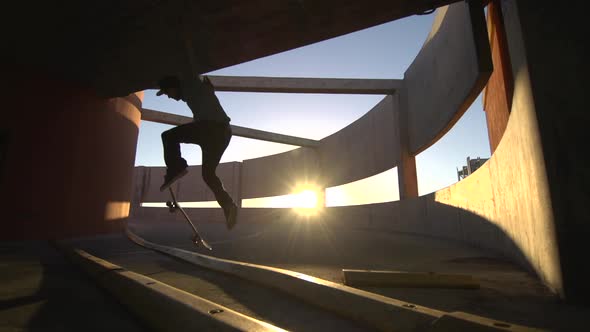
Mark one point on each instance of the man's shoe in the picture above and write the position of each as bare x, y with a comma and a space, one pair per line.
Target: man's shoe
231, 212
172, 176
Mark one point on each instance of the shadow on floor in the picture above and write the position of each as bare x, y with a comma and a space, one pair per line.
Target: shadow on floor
40, 291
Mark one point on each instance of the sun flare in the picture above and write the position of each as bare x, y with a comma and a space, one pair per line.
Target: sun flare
306, 199
306, 202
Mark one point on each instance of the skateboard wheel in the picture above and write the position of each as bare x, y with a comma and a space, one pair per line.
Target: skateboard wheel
169, 204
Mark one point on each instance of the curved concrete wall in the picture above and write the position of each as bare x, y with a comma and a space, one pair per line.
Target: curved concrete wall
279, 174
191, 188
504, 205
364, 148
447, 75
454, 52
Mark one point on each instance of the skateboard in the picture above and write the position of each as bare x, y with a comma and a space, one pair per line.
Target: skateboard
173, 207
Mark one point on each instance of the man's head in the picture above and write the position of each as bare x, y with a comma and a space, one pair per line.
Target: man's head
170, 86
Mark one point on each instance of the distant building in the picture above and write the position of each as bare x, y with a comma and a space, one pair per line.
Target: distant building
472, 166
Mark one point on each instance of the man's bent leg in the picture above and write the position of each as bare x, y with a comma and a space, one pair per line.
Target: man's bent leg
212, 151
213, 181
171, 140
176, 165
230, 208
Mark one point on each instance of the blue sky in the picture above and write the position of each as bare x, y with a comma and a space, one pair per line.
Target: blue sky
384, 51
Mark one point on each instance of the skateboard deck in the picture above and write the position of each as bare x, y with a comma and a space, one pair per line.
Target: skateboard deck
174, 206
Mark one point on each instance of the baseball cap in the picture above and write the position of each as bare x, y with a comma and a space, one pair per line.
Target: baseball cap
167, 82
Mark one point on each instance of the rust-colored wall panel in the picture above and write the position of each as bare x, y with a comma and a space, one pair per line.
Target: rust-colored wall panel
69, 160
498, 92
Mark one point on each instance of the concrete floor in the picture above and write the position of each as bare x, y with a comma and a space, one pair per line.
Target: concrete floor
40, 291
240, 295
507, 292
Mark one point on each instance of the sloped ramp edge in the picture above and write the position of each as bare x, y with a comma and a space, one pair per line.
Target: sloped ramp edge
160, 306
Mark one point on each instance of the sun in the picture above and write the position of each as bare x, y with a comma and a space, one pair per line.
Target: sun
306, 199
306, 202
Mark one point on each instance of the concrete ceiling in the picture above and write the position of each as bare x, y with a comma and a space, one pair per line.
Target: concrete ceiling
120, 47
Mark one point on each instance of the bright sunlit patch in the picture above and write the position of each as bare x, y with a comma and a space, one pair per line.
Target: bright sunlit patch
305, 203
268, 202
116, 210
379, 188
305, 200
185, 205
307, 277
199, 205
153, 205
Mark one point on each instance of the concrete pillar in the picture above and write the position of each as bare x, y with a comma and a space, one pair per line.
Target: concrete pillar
547, 43
406, 169
68, 159
497, 98
407, 177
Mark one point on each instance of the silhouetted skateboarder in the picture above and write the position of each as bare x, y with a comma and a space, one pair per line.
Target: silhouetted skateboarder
210, 129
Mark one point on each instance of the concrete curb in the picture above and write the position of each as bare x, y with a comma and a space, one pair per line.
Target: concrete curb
160, 306
381, 312
408, 279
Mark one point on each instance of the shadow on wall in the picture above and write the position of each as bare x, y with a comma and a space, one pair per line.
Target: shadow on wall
422, 216
426, 217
